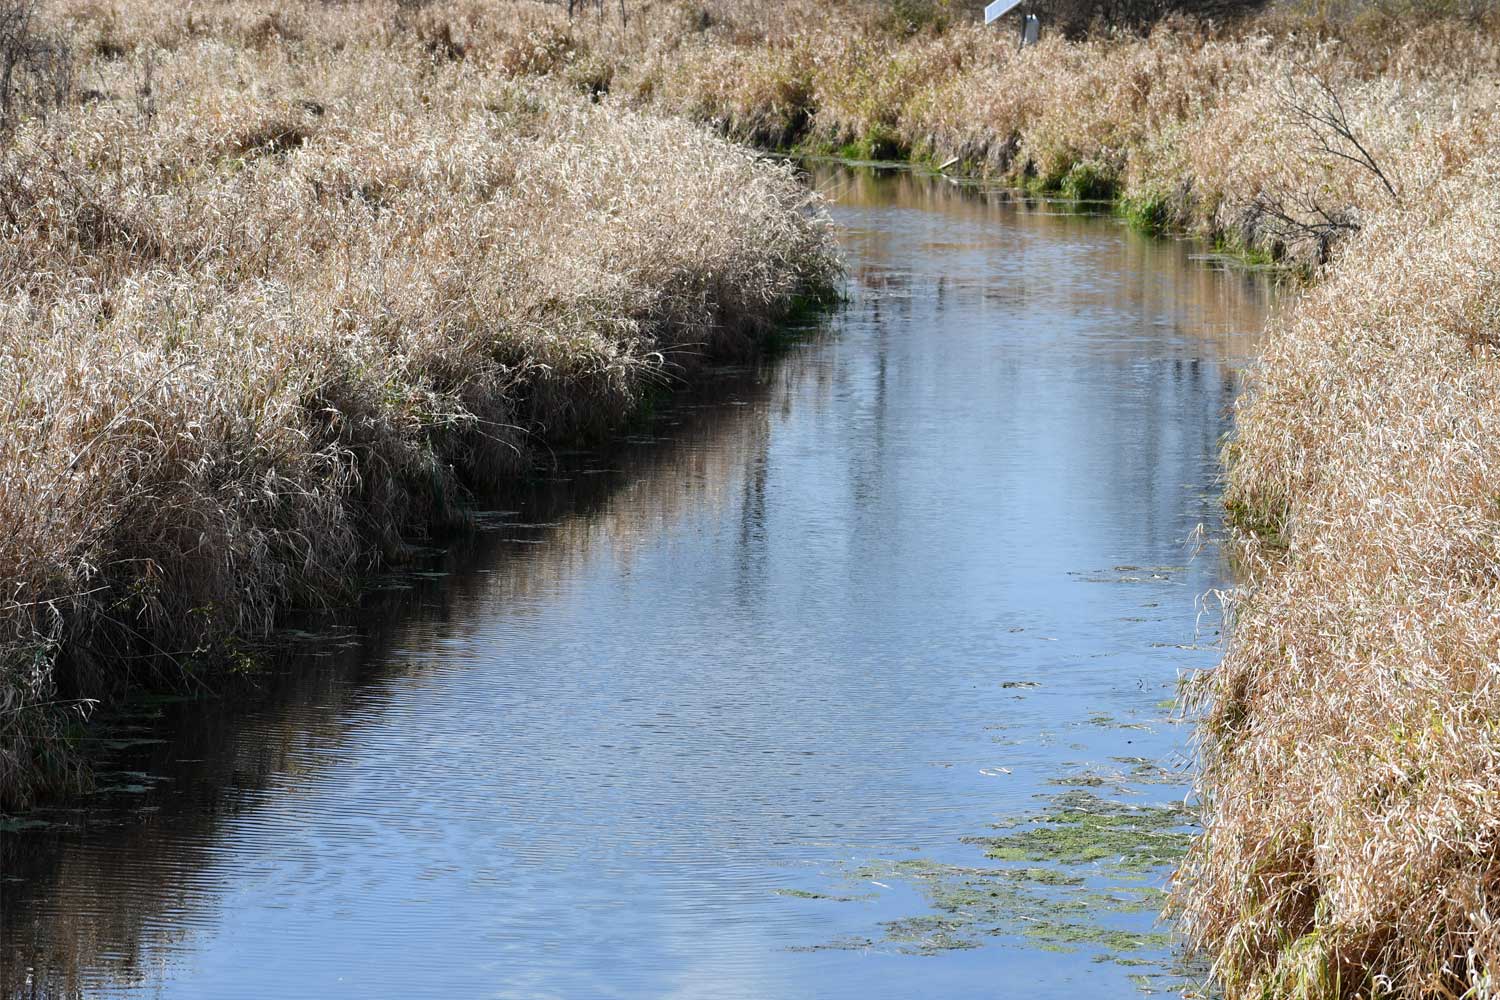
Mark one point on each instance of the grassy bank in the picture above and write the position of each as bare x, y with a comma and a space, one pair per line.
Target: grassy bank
1352, 760
1275, 138
283, 287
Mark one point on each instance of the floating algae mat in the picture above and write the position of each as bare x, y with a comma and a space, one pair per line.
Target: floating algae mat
1082, 875
1082, 829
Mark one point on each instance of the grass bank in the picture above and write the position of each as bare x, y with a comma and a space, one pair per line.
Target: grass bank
1351, 762
282, 287
1274, 137
1350, 758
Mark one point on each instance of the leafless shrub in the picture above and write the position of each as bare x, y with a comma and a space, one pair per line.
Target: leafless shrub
1293, 222
1322, 114
36, 69
1286, 217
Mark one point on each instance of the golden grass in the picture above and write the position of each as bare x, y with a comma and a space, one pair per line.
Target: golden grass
1351, 759
288, 284
1193, 129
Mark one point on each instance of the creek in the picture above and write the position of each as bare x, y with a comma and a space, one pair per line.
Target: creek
851, 674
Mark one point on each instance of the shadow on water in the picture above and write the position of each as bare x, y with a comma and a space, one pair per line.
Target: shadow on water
849, 676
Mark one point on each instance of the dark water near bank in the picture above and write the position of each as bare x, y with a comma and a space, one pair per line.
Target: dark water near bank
849, 683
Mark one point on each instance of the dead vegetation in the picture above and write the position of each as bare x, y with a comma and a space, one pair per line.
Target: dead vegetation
290, 290
1351, 762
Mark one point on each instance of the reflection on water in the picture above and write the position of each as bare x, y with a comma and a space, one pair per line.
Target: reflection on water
749, 707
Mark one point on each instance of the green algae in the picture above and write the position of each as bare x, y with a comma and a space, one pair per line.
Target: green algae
1128, 899
1059, 936
1047, 908
808, 894
1087, 780
1133, 771
1082, 829
837, 944
21, 824
1130, 574
1103, 720
1081, 874
928, 934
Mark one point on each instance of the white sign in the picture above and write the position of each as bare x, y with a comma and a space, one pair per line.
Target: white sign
998, 8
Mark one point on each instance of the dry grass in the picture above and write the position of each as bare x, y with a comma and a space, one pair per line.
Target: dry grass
287, 285
1351, 759
1192, 128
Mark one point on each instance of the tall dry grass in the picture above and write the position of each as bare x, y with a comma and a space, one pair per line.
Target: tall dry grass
283, 285
1194, 127
1351, 758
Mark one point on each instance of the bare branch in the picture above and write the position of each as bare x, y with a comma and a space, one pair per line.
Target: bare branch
36, 71
1326, 120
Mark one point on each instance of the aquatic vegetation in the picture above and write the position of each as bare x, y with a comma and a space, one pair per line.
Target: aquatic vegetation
809, 894
1089, 181
837, 944
928, 934
1141, 771
1073, 877
1082, 829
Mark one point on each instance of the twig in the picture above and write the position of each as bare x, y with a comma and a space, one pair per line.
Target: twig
1326, 119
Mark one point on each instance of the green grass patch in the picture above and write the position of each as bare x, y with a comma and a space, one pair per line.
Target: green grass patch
1147, 212
1089, 180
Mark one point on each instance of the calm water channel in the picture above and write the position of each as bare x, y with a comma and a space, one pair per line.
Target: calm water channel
849, 677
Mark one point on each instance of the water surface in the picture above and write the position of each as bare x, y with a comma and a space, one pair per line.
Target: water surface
739, 708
